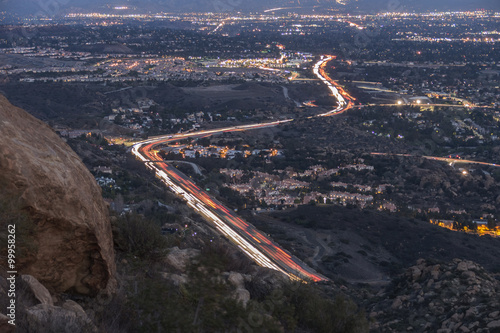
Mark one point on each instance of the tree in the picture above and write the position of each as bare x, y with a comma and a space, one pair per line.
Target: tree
141, 237
118, 120
491, 223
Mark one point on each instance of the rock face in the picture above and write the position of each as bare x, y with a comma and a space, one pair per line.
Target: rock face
241, 294
39, 291
50, 318
180, 259
73, 240
459, 296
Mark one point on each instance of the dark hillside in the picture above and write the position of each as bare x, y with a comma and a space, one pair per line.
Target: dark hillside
363, 245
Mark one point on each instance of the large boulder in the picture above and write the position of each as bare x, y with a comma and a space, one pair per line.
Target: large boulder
72, 240
241, 295
181, 258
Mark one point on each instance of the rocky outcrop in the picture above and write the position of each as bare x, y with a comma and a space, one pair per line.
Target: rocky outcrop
180, 259
38, 311
50, 318
5, 327
72, 233
241, 295
38, 290
459, 296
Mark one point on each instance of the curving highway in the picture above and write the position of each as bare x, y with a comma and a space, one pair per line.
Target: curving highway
345, 101
249, 239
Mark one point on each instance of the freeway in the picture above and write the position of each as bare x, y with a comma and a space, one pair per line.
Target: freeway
345, 101
249, 239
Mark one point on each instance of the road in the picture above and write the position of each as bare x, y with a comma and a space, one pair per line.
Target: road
251, 241
196, 167
344, 100
285, 93
443, 105
442, 159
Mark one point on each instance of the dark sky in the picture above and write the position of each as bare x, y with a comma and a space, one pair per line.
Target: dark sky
51, 7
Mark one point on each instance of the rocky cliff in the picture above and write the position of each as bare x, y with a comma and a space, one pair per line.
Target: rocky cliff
71, 232
456, 296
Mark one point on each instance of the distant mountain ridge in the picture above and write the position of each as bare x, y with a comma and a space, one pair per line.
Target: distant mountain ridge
59, 7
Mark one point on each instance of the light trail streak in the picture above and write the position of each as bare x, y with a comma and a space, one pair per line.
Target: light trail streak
442, 159
277, 9
344, 100
249, 239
